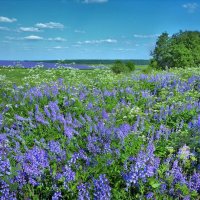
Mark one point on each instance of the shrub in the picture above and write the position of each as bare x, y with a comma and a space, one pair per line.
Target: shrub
130, 66
119, 67
153, 64
147, 70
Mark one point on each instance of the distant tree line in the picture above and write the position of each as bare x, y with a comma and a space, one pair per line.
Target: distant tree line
97, 62
179, 50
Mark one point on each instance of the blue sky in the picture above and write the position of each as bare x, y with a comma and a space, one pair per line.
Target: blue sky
90, 29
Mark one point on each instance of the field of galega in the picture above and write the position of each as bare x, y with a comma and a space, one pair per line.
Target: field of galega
72, 134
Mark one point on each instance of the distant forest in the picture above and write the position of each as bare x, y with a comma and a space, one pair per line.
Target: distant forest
96, 62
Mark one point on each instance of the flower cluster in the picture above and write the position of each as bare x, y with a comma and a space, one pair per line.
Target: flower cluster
141, 167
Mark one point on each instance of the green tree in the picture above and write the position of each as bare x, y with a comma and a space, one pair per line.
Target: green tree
119, 67
181, 56
161, 52
180, 50
191, 40
130, 65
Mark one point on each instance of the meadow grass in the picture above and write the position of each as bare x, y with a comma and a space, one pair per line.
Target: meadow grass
20, 75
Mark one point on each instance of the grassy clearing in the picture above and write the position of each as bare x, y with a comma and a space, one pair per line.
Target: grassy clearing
22, 76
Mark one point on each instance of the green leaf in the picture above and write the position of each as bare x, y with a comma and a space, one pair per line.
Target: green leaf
155, 185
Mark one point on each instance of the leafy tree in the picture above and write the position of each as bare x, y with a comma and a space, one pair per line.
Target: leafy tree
130, 65
182, 56
161, 53
180, 50
119, 67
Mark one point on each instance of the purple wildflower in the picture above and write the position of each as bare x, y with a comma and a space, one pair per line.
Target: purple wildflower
5, 192
194, 182
186, 197
40, 118
54, 147
176, 171
35, 162
102, 190
68, 131
57, 195
184, 153
105, 115
76, 156
17, 117
142, 167
83, 192
150, 195
68, 175
46, 110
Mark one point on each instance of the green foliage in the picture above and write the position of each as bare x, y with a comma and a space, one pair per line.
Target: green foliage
130, 66
161, 52
181, 50
119, 67
147, 70
153, 64
182, 57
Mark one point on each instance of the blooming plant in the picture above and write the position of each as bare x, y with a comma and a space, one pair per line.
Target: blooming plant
72, 134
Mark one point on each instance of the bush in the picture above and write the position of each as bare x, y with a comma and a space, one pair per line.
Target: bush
153, 64
130, 66
119, 67
147, 70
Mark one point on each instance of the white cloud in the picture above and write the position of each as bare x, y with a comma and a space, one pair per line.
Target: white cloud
94, 1
33, 38
50, 25
60, 47
57, 39
146, 36
98, 41
190, 7
2, 28
109, 41
36, 38
7, 20
29, 29
123, 49
79, 31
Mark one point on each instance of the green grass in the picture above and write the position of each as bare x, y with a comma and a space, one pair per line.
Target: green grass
20, 76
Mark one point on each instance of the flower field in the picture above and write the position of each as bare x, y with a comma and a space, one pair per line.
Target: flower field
72, 134
47, 65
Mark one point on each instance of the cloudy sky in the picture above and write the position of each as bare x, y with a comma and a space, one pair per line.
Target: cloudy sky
90, 29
